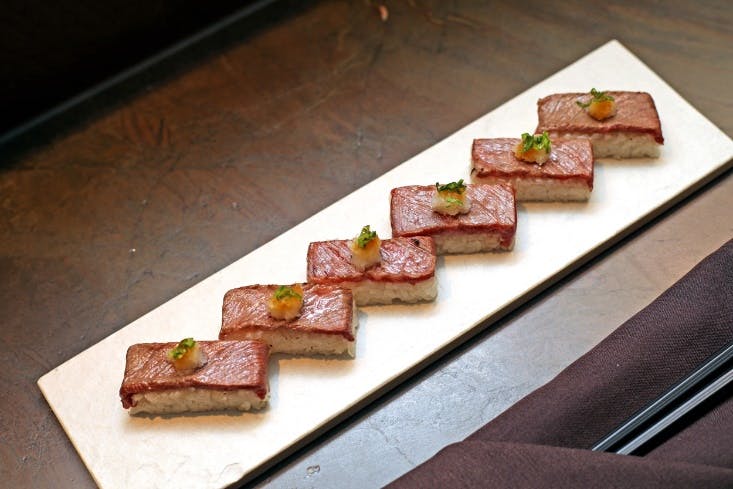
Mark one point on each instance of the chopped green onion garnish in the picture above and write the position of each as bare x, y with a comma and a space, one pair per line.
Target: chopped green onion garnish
181, 349
365, 237
596, 96
458, 187
539, 142
285, 291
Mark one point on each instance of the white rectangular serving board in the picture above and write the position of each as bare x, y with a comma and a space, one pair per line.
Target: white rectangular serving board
210, 451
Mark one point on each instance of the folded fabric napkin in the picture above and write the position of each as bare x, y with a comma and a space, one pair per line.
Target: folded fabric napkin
544, 439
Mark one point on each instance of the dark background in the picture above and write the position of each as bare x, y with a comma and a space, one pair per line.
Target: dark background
52, 51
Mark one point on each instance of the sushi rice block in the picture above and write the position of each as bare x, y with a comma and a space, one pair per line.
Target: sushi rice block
225, 375
489, 225
566, 175
324, 323
405, 271
632, 131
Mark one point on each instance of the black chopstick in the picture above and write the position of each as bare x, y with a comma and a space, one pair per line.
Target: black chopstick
709, 378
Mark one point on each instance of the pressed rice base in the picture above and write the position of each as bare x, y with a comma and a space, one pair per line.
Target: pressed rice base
460, 243
192, 399
543, 189
285, 340
618, 145
368, 292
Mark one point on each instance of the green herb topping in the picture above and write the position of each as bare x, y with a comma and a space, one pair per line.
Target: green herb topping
457, 187
596, 96
181, 349
539, 142
285, 292
365, 237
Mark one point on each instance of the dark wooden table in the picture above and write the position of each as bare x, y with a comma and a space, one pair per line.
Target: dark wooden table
133, 196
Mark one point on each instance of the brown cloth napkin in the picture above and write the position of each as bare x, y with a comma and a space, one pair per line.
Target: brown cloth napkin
544, 439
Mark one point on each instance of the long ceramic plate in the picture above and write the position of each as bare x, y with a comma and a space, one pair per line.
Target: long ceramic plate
308, 394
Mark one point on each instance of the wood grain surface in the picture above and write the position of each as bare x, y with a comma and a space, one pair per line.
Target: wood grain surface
132, 197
